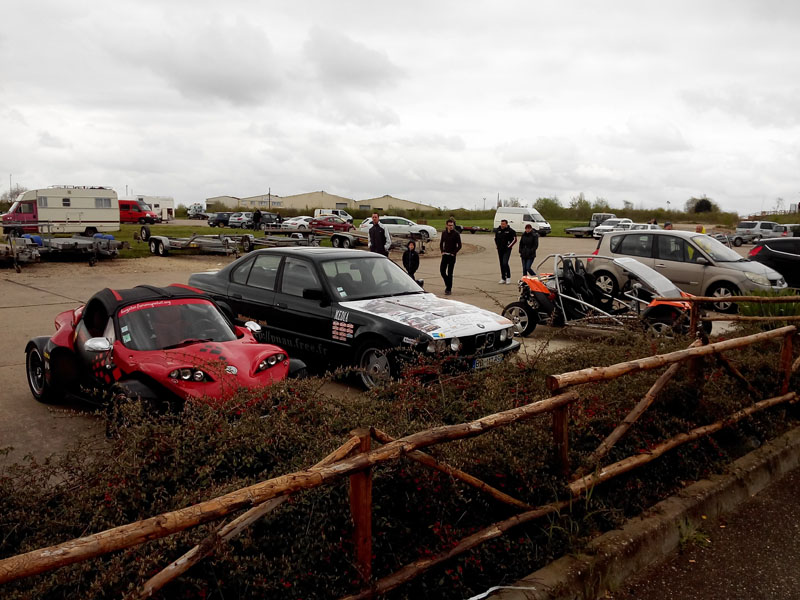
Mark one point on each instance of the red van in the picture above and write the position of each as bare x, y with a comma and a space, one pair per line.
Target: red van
136, 211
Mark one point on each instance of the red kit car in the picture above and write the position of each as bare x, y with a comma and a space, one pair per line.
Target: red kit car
331, 222
165, 345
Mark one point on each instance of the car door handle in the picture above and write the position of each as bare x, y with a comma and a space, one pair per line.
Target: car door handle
237, 296
281, 305
662, 265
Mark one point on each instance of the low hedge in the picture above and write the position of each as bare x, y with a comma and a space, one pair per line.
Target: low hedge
304, 550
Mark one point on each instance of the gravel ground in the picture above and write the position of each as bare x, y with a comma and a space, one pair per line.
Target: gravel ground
752, 554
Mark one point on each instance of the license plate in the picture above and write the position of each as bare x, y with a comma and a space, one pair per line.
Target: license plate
486, 361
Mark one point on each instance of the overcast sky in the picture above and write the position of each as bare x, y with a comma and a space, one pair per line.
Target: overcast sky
445, 103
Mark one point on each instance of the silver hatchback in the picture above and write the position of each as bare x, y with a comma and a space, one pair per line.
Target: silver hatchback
695, 262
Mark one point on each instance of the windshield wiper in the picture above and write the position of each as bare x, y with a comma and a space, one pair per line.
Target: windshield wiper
187, 342
408, 293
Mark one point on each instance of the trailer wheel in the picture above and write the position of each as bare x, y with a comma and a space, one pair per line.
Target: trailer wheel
346, 243
144, 233
153, 246
163, 249
89, 231
336, 242
247, 244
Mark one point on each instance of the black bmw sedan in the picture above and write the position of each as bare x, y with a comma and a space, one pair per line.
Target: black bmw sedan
338, 307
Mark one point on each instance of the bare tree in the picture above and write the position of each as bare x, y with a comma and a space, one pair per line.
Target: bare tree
11, 195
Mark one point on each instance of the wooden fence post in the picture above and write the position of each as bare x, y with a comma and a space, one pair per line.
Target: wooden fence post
361, 509
786, 361
694, 317
561, 438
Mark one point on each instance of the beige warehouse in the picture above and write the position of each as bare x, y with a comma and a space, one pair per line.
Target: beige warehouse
311, 200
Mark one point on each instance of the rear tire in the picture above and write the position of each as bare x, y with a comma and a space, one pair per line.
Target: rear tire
424, 235
737, 241
144, 233
36, 374
523, 317
89, 231
663, 326
345, 243
336, 242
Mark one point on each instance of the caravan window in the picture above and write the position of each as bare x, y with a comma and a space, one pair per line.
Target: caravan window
102, 202
65, 202
41, 201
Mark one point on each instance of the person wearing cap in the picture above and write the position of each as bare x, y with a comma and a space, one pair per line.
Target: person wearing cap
668, 225
449, 245
528, 244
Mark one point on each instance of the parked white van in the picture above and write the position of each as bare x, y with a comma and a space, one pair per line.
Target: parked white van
337, 212
63, 209
519, 217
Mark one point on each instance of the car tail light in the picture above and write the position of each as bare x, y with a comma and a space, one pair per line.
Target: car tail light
754, 250
596, 251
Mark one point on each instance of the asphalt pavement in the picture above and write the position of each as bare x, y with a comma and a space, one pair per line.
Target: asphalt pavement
750, 554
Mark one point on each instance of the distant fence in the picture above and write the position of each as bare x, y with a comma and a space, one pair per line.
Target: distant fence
356, 457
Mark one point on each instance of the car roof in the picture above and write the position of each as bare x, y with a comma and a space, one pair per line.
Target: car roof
111, 300
673, 232
317, 252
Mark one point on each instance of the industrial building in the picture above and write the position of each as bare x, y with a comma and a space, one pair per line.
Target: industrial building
311, 200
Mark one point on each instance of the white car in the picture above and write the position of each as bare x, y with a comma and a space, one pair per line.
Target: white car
296, 223
643, 227
402, 225
610, 225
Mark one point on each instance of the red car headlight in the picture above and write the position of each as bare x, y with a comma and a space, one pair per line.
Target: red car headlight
270, 361
189, 374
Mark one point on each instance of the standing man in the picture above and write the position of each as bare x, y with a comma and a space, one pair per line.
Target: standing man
379, 239
257, 219
449, 245
504, 240
528, 244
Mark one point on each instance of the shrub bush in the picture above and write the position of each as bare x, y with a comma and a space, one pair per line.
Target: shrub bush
304, 550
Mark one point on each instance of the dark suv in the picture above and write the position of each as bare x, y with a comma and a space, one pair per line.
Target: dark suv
220, 219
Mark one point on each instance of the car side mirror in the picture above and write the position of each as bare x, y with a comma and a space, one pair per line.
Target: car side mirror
98, 344
253, 326
315, 294
701, 260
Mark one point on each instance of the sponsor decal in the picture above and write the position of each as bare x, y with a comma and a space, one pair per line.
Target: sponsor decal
341, 331
231, 370
341, 315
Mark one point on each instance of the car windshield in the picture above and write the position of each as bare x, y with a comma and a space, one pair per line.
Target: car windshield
358, 278
610, 222
164, 324
717, 251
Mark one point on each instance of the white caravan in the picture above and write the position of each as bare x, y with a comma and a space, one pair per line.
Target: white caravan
63, 209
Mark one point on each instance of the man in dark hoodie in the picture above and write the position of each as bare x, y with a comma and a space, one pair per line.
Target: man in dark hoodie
528, 244
449, 245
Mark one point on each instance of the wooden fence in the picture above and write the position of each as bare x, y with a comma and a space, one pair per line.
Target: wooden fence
356, 458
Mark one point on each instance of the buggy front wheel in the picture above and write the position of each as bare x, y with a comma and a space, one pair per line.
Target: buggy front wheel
522, 316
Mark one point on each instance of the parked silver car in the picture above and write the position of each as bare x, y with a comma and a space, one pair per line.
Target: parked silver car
241, 219
758, 229
695, 262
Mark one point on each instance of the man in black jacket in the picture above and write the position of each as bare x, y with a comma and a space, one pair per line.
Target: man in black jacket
449, 245
379, 239
504, 240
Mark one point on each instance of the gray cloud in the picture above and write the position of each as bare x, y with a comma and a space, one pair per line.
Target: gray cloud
223, 60
342, 62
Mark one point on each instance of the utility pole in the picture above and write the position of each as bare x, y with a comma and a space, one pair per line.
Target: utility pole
484, 203
269, 197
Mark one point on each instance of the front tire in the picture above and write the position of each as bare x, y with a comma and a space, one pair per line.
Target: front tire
523, 317
724, 290
374, 363
37, 378
606, 283
424, 235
